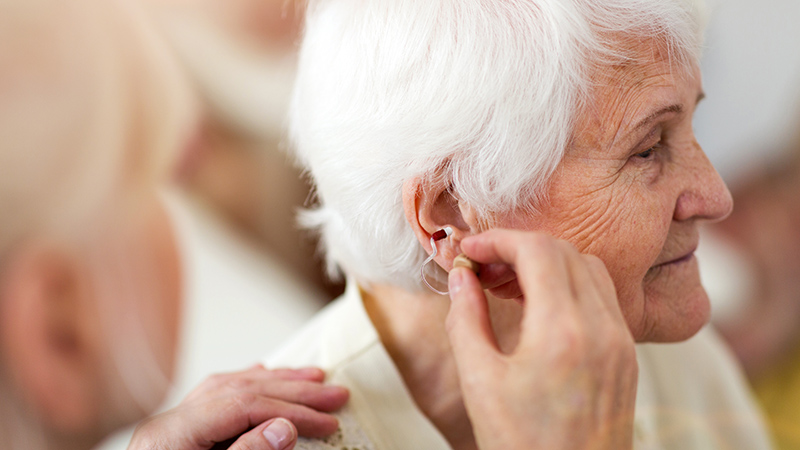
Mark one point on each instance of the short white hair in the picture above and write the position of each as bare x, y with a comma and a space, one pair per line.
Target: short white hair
481, 93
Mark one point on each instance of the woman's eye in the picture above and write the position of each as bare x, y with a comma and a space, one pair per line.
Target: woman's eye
647, 154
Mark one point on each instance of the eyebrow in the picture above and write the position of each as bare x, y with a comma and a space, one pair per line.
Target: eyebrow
676, 108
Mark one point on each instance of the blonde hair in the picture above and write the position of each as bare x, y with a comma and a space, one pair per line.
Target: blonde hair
92, 103
90, 100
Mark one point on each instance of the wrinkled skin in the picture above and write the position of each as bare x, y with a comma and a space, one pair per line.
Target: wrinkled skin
634, 195
571, 381
631, 191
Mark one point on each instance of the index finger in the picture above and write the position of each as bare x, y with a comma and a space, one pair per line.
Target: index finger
540, 264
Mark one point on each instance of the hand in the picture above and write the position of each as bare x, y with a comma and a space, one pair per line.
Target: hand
225, 406
571, 381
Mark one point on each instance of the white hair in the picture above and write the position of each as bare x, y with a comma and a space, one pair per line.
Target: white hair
482, 94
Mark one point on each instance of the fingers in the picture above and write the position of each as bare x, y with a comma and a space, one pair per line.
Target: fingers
218, 420
557, 282
569, 349
303, 386
508, 290
493, 275
276, 434
306, 373
605, 287
468, 324
538, 260
541, 263
227, 405
321, 397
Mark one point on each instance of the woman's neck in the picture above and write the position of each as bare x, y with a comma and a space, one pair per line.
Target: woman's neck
411, 327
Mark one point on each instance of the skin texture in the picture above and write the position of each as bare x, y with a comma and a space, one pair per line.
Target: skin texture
634, 197
630, 195
89, 338
234, 409
90, 277
584, 392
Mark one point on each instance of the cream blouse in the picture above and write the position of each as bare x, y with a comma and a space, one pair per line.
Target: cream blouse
691, 395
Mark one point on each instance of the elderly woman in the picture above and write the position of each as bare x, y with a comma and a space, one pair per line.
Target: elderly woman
553, 141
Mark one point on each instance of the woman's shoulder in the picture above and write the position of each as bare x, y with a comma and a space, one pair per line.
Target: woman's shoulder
698, 387
335, 334
699, 372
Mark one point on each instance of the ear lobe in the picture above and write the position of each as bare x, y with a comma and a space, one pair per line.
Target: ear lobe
430, 206
43, 319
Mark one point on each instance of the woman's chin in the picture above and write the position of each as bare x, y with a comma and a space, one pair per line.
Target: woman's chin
676, 305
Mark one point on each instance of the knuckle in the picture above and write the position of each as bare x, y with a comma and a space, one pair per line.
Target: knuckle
594, 263
244, 401
540, 241
566, 247
536, 245
236, 383
216, 380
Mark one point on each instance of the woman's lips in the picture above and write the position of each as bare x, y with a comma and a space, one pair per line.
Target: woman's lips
681, 259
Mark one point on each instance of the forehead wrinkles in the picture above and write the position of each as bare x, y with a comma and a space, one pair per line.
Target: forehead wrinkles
620, 90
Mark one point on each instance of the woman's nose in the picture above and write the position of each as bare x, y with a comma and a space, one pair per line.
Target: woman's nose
704, 196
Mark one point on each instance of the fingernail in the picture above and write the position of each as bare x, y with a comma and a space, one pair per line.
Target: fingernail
279, 434
455, 280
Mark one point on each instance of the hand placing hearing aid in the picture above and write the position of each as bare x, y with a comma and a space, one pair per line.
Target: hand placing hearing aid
459, 261
463, 260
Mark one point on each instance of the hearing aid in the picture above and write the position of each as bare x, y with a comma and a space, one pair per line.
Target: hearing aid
437, 236
460, 261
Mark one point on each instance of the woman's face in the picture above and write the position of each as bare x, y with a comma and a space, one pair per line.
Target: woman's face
632, 189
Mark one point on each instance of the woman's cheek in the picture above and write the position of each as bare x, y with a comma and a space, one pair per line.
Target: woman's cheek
637, 239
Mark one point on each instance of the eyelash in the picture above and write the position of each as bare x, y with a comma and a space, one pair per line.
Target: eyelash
650, 152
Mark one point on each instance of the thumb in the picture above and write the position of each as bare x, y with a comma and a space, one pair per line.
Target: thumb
468, 324
275, 434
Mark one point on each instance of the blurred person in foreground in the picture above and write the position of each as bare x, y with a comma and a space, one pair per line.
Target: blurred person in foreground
241, 57
93, 120
251, 279
552, 143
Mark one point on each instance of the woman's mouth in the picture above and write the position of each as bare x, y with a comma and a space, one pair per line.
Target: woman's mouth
679, 260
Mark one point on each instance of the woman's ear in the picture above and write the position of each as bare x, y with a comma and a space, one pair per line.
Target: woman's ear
430, 206
45, 327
